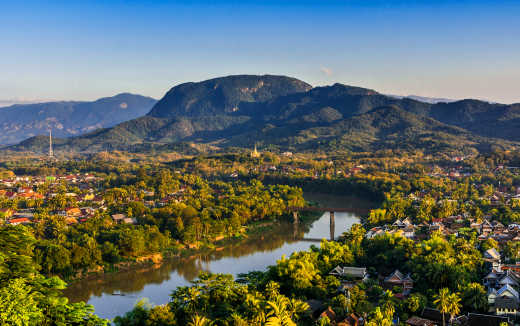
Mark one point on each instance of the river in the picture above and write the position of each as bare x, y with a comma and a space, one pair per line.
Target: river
113, 294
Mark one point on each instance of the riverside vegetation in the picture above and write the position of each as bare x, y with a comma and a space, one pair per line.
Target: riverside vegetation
194, 201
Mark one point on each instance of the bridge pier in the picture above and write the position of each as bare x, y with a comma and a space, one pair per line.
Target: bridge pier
332, 225
295, 217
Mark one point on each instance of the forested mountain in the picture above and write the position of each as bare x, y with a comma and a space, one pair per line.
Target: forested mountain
289, 114
18, 122
224, 95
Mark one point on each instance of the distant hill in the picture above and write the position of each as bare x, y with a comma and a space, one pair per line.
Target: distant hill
21, 121
425, 99
289, 114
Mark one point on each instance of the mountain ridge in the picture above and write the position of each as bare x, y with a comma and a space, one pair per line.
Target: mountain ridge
69, 118
287, 113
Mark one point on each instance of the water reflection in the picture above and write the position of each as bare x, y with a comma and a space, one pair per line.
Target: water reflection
156, 282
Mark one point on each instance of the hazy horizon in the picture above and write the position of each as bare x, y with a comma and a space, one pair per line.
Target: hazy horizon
18, 101
75, 51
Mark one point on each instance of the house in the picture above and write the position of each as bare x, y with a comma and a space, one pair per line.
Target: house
30, 195
486, 320
436, 226
418, 321
399, 279
351, 320
24, 213
20, 220
497, 278
491, 279
486, 227
118, 218
491, 255
399, 224
509, 278
350, 272
507, 301
506, 306
373, 232
434, 315
407, 221
476, 226
73, 211
129, 220
329, 313
409, 232
497, 226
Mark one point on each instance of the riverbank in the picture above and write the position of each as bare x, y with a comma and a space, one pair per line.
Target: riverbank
187, 250
114, 293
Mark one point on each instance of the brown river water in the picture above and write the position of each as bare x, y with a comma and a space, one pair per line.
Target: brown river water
113, 294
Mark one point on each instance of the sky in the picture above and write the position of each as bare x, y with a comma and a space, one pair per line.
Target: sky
84, 50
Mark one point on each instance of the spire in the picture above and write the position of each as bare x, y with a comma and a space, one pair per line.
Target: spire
255, 153
51, 153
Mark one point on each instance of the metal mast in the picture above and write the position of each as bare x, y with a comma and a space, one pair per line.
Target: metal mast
51, 154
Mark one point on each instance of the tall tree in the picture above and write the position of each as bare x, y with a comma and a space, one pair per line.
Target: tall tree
447, 303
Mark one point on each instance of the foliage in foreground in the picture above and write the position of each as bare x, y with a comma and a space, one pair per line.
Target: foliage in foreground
446, 271
28, 298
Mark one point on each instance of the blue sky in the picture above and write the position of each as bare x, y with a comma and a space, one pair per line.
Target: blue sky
90, 49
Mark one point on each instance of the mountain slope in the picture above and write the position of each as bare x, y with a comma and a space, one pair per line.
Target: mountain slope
18, 122
386, 127
223, 95
483, 118
288, 113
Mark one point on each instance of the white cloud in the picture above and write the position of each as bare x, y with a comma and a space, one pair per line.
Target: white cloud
326, 71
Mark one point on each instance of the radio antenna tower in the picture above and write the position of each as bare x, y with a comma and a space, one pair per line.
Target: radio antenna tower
51, 153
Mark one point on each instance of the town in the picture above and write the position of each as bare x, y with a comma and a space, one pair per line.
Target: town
462, 212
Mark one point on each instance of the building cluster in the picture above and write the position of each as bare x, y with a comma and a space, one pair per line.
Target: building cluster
450, 172
349, 276
503, 285
88, 198
402, 285
452, 225
24, 188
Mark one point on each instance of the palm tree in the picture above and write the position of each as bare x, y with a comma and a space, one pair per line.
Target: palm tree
447, 303
189, 298
197, 320
256, 309
278, 312
378, 318
272, 289
441, 301
454, 305
388, 303
297, 308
